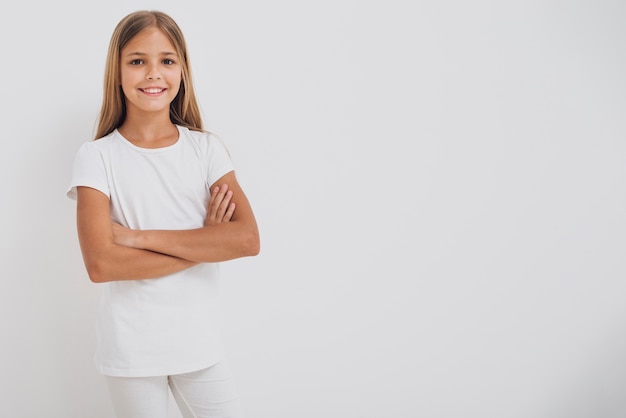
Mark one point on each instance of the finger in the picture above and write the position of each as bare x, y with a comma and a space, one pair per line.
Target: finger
211, 208
224, 205
215, 201
229, 213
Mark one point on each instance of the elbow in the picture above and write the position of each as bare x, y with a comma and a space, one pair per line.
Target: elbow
253, 245
96, 279
95, 271
254, 250
94, 276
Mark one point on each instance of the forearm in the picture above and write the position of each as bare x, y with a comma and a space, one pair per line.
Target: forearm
116, 262
228, 233
107, 260
215, 243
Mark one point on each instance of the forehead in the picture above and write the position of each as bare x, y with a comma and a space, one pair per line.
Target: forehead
149, 40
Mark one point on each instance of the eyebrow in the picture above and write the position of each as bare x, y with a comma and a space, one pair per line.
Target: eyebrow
141, 54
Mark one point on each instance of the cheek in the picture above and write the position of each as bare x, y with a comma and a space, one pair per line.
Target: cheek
127, 83
131, 75
174, 89
175, 81
124, 78
124, 84
176, 77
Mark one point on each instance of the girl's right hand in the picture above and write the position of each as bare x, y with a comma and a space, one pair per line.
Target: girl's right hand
220, 207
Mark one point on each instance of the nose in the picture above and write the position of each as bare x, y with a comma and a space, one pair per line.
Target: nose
153, 74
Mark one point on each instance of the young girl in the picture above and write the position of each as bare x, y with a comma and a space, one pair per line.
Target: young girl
158, 206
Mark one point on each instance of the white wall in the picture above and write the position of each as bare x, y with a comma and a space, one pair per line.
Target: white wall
440, 188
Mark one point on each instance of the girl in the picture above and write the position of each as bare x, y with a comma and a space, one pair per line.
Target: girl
158, 205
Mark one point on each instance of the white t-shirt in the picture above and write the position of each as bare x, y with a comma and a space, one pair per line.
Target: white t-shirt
166, 325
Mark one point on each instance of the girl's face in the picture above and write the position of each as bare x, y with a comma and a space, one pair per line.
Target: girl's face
150, 72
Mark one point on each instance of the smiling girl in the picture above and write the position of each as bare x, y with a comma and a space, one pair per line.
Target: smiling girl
158, 207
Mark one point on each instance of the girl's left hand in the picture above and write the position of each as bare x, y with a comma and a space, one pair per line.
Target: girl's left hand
220, 208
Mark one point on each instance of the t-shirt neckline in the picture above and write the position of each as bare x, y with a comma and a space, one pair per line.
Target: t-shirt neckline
151, 150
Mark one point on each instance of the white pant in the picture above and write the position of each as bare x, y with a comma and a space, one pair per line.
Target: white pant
208, 393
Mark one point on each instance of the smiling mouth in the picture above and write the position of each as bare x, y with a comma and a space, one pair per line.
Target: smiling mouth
152, 91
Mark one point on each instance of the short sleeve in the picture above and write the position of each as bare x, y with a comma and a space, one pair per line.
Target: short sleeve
219, 159
88, 170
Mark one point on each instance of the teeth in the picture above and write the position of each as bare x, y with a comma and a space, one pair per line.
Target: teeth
153, 90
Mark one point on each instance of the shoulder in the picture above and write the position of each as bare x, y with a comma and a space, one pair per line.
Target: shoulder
202, 140
100, 144
210, 150
97, 151
197, 136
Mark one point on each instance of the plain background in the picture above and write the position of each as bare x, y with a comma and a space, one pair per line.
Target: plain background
440, 188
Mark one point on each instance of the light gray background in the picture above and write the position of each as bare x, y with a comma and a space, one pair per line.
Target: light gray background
439, 185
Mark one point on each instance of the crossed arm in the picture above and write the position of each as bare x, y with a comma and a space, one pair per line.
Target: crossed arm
112, 252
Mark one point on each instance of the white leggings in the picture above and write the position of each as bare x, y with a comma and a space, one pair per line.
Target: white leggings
208, 393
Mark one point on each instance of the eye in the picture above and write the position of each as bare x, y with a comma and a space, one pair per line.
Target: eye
136, 62
168, 61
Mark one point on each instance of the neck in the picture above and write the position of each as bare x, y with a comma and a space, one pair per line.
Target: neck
149, 134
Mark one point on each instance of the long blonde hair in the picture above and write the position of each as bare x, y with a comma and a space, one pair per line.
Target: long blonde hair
184, 108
